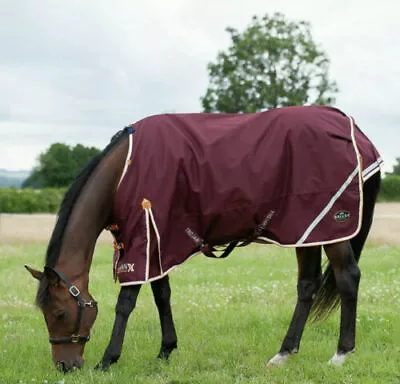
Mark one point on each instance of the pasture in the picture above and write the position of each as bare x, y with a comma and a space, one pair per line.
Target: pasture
230, 315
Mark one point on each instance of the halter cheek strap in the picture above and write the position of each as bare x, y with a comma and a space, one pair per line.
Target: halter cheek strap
82, 303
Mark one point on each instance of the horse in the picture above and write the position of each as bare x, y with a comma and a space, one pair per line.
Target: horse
181, 184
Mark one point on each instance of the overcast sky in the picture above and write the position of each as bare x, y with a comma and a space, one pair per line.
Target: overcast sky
77, 71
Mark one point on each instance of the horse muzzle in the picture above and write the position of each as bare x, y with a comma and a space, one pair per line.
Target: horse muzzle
71, 365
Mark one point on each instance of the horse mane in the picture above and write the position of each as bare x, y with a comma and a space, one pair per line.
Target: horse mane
65, 211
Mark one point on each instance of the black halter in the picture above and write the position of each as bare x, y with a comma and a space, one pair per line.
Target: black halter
82, 303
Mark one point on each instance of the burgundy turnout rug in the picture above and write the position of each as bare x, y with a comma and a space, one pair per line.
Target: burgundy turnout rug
291, 176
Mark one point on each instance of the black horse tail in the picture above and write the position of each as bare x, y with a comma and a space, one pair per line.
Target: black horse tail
327, 300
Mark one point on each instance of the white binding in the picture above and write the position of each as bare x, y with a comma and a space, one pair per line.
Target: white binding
372, 169
146, 212
150, 220
158, 238
128, 159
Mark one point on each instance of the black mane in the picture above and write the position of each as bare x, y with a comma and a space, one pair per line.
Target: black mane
67, 205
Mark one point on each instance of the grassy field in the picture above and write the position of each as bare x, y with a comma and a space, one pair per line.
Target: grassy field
230, 316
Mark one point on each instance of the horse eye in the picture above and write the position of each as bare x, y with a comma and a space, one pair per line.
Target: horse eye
60, 315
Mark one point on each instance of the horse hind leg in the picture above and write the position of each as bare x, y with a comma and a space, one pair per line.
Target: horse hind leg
162, 297
347, 275
309, 275
126, 303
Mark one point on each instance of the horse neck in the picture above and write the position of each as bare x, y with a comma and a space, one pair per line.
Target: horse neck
90, 215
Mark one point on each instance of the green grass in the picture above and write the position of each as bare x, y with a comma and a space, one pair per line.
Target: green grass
231, 316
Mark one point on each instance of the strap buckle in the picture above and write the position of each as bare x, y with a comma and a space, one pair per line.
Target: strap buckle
74, 291
75, 339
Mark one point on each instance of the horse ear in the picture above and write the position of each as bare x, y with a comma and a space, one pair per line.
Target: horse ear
35, 273
51, 276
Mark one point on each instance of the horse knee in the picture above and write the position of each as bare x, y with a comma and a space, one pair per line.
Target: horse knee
306, 289
126, 302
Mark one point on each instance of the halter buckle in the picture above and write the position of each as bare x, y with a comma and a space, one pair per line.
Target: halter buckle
74, 291
75, 338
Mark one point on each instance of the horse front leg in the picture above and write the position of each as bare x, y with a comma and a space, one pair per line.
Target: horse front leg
126, 303
309, 274
162, 297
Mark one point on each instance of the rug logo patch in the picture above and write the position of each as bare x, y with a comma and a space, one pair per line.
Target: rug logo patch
341, 216
126, 267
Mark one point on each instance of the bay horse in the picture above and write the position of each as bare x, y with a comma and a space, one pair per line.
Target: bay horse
177, 184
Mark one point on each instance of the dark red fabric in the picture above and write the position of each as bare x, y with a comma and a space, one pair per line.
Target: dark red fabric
218, 176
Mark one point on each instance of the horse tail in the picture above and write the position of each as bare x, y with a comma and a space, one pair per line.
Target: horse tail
327, 300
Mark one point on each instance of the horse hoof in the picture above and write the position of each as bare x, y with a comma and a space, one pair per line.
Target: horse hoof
338, 358
278, 360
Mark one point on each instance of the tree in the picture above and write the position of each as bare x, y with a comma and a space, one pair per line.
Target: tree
396, 168
273, 63
59, 165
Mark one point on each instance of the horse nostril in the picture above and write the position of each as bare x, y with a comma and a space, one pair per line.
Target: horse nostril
61, 366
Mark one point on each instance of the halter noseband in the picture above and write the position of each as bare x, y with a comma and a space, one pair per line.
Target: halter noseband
82, 303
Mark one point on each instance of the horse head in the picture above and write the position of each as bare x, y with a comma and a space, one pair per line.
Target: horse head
69, 313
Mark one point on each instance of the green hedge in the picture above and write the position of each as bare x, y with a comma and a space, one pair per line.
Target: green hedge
390, 189
13, 200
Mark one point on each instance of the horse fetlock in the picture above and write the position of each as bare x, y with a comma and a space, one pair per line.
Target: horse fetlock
166, 349
112, 356
107, 361
344, 349
114, 359
102, 365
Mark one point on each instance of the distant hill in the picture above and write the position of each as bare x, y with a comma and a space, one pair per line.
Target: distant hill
12, 178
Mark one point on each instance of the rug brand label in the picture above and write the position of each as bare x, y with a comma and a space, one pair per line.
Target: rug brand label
341, 216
